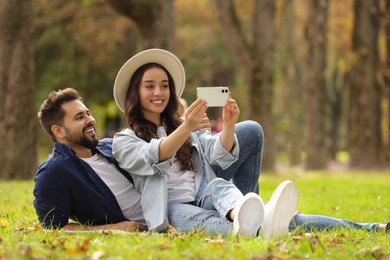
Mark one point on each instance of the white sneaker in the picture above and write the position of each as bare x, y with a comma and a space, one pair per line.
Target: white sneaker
280, 210
249, 215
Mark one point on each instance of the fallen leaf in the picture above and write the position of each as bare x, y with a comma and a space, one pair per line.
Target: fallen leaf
97, 242
296, 238
71, 250
377, 253
97, 255
84, 245
4, 222
79, 247
215, 241
282, 247
37, 227
314, 242
25, 250
164, 247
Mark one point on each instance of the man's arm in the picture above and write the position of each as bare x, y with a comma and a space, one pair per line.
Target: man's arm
204, 123
129, 226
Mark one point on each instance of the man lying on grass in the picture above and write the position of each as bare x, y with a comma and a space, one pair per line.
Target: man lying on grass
101, 196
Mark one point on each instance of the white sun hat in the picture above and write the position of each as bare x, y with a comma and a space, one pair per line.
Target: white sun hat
165, 58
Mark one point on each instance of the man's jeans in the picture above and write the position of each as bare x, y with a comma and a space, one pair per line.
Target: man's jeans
209, 211
245, 173
311, 223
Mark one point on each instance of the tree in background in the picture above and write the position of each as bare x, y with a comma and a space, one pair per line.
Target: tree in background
314, 85
290, 92
256, 59
80, 44
364, 110
154, 18
339, 53
386, 82
84, 43
18, 158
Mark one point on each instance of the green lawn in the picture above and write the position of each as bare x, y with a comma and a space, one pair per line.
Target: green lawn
358, 196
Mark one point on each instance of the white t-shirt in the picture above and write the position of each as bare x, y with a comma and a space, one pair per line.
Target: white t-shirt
181, 184
125, 193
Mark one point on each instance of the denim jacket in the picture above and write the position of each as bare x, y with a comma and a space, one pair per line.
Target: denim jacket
141, 160
66, 188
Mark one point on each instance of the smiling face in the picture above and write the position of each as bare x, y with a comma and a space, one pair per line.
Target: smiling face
78, 129
154, 94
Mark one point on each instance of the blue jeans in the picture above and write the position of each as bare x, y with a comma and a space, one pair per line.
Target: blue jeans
209, 211
312, 223
245, 172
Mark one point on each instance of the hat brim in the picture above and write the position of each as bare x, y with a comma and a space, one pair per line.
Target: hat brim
165, 58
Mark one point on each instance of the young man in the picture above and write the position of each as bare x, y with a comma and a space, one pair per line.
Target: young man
81, 180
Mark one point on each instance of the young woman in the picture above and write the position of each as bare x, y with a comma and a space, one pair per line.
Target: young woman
171, 162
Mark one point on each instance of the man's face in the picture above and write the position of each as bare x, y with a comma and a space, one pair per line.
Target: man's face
79, 126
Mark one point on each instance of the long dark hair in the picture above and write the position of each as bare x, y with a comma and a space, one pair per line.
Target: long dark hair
146, 129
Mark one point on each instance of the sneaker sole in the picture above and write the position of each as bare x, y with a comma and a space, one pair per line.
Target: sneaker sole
249, 216
276, 222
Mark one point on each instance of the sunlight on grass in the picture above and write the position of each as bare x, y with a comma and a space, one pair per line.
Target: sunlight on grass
359, 196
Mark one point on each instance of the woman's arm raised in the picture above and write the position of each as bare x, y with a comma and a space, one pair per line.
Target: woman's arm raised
192, 117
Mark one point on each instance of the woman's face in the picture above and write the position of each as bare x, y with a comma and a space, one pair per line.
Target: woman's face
154, 94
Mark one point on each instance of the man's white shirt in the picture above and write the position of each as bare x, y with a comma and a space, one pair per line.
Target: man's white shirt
128, 198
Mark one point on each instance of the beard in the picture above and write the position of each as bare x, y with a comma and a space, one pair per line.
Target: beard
81, 139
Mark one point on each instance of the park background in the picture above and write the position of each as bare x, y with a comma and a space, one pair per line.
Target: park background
314, 74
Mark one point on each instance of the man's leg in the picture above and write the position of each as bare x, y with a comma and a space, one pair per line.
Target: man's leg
245, 172
313, 223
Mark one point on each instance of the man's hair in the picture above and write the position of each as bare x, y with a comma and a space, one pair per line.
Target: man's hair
51, 112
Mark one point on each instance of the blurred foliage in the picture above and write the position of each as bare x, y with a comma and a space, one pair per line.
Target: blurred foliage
79, 44
84, 43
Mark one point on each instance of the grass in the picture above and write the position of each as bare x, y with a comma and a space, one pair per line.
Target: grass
358, 196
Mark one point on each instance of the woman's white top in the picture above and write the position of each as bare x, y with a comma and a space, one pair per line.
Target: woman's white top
181, 184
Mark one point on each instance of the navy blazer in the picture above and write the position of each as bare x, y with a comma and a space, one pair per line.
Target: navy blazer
66, 188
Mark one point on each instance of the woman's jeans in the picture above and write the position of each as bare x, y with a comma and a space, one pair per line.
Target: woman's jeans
245, 173
209, 211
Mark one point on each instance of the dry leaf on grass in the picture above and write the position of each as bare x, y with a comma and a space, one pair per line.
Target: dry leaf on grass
314, 242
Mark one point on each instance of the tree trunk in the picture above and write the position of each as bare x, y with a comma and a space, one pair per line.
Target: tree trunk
314, 86
335, 107
291, 92
256, 61
386, 76
263, 80
154, 18
364, 110
239, 46
18, 119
